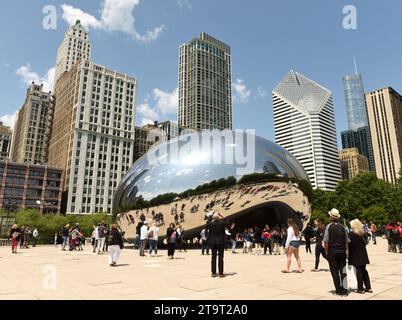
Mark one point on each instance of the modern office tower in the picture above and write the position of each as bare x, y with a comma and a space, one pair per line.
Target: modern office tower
358, 135
352, 163
32, 128
30, 186
145, 137
360, 139
5, 141
74, 47
305, 126
354, 99
384, 109
205, 80
93, 134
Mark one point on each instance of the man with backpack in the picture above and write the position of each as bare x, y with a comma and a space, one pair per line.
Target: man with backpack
336, 243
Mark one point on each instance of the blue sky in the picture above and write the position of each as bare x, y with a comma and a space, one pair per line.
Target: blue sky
268, 38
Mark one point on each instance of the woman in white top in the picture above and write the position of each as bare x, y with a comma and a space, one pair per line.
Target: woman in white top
292, 246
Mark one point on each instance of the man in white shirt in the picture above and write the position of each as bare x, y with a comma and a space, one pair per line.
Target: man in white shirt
143, 238
35, 235
153, 235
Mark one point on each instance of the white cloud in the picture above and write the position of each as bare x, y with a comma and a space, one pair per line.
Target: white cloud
28, 76
116, 16
166, 102
184, 4
146, 121
71, 15
8, 119
261, 92
241, 93
147, 112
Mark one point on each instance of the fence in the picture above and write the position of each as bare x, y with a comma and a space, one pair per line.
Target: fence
5, 225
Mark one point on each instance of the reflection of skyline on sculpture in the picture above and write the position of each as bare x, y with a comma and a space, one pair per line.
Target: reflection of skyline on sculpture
149, 179
186, 175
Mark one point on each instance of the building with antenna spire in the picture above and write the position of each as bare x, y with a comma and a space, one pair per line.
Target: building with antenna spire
358, 133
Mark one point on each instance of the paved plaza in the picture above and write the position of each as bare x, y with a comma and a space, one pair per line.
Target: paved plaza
46, 272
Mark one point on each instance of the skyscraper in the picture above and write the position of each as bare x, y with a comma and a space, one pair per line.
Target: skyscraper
354, 99
352, 163
5, 141
358, 133
33, 127
93, 134
360, 139
75, 46
205, 80
305, 126
384, 108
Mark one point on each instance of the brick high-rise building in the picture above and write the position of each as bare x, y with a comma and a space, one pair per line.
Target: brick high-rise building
5, 141
75, 46
32, 128
93, 134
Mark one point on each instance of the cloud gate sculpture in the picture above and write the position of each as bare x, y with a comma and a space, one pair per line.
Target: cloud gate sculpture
250, 180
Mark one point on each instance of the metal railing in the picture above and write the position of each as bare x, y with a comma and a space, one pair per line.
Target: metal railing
4, 242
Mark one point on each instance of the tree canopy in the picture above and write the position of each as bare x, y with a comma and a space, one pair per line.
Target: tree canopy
365, 197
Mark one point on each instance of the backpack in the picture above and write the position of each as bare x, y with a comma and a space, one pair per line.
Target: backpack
173, 237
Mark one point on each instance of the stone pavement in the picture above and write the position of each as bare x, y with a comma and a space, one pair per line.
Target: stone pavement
48, 273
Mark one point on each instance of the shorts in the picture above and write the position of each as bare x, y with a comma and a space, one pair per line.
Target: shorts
295, 244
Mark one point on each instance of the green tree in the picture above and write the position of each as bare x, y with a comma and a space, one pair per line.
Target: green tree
376, 214
319, 214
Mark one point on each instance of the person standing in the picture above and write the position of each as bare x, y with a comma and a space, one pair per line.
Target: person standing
171, 234
257, 240
308, 234
267, 236
65, 233
35, 235
336, 242
153, 236
15, 235
143, 238
115, 245
233, 237
358, 256
292, 245
276, 238
204, 243
102, 230
319, 247
216, 226
373, 229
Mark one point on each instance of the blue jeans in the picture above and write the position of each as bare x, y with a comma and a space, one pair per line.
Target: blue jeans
65, 241
153, 245
204, 247
234, 242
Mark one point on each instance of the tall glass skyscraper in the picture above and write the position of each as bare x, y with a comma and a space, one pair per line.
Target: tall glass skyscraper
358, 135
355, 104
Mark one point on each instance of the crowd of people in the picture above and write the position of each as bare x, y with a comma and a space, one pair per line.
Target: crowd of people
336, 243
22, 237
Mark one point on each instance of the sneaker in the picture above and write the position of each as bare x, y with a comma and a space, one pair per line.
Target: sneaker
221, 275
214, 275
